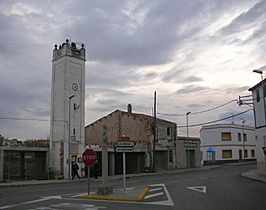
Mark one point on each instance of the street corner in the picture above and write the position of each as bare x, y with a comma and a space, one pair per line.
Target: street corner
130, 194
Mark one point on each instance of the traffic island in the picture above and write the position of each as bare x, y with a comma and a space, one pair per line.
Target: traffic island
130, 194
104, 190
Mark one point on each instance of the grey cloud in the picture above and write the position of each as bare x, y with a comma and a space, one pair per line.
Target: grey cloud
195, 106
105, 91
109, 75
245, 19
154, 40
237, 89
191, 89
192, 79
108, 102
248, 117
173, 75
263, 68
181, 76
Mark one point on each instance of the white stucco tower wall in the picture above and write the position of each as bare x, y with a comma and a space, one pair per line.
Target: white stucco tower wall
67, 107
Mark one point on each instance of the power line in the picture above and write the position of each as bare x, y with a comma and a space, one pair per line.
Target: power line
27, 119
199, 112
219, 106
214, 121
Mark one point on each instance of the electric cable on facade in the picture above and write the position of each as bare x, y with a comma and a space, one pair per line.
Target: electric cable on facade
199, 112
214, 121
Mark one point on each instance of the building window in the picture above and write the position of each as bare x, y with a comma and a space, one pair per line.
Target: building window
246, 153
227, 154
245, 137
253, 153
74, 131
239, 136
258, 95
226, 136
168, 131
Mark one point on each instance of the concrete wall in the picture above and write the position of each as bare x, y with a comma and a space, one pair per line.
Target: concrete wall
32, 164
182, 145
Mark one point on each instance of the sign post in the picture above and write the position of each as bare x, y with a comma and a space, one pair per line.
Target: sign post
89, 158
124, 146
124, 171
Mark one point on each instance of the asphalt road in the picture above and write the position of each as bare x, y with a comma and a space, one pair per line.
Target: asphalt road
213, 189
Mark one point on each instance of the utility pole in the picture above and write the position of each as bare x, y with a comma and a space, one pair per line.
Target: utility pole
187, 151
243, 124
154, 132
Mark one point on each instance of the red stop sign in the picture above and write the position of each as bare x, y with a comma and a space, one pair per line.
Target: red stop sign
89, 157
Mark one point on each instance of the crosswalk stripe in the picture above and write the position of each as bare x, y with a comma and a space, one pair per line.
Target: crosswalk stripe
155, 189
153, 195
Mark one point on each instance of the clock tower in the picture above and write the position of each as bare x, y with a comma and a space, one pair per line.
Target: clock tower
67, 141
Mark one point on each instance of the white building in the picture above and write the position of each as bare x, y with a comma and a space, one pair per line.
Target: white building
258, 95
67, 135
224, 143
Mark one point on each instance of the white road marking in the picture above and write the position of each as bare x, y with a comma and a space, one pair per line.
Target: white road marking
78, 205
168, 202
43, 199
78, 195
202, 189
155, 189
153, 195
7, 207
34, 201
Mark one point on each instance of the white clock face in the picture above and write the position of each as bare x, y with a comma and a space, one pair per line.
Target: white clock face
75, 86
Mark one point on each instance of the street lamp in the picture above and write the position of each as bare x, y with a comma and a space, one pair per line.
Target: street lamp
258, 72
187, 122
69, 133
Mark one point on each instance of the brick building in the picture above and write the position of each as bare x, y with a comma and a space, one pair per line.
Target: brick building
139, 128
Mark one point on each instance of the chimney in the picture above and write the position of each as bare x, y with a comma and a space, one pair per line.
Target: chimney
129, 108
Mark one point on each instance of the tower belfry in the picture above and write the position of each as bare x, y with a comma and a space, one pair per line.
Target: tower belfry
67, 139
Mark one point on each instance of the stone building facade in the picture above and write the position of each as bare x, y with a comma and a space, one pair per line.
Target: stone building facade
140, 129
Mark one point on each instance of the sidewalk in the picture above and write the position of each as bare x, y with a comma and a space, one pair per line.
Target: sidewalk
252, 174
115, 177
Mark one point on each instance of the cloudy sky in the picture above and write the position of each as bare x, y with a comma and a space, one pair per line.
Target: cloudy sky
196, 54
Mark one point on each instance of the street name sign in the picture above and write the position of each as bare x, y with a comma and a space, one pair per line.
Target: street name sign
124, 149
125, 144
